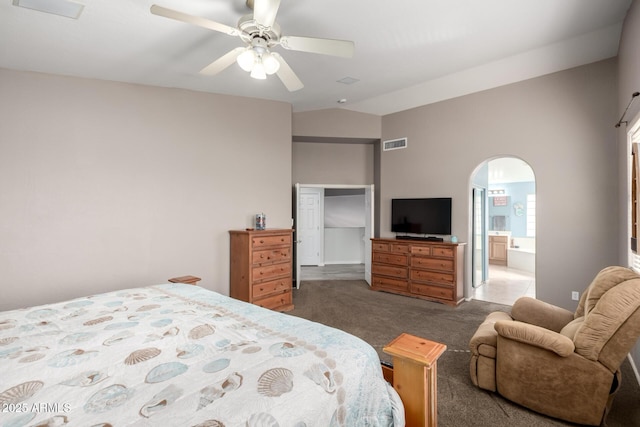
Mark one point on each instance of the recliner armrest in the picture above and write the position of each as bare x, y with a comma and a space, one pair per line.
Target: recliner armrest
539, 313
536, 336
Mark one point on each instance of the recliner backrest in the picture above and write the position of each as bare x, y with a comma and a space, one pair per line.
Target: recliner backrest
606, 279
611, 325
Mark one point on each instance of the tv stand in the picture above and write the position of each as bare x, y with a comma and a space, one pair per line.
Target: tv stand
423, 238
418, 268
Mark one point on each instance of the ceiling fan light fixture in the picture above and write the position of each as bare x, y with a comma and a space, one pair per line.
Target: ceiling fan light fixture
258, 71
260, 33
246, 59
270, 63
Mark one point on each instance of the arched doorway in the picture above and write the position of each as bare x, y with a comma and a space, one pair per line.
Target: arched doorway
503, 244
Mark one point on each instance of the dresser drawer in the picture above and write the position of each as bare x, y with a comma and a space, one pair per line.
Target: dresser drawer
432, 291
259, 242
389, 270
275, 301
390, 258
260, 274
433, 263
271, 255
431, 276
271, 287
390, 284
421, 250
382, 247
400, 248
443, 251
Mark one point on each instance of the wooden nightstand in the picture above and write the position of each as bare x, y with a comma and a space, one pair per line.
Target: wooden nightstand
414, 377
189, 280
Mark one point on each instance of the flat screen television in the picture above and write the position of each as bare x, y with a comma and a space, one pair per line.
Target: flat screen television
421, 216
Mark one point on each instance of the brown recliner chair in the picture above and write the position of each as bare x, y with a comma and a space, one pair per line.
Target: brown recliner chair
562, 364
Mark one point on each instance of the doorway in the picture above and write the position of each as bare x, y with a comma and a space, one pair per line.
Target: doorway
479, 259
333, 229
503, 230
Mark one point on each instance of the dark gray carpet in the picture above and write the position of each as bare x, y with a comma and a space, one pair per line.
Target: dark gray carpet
379, 317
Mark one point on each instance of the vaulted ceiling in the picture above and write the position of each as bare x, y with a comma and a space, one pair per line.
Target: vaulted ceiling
407, 52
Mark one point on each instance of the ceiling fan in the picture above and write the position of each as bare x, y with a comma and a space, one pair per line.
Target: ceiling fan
260, 34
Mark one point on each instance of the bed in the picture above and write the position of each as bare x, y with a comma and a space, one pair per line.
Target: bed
177, 354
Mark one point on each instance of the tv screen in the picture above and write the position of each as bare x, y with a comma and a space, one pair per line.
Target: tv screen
421, 216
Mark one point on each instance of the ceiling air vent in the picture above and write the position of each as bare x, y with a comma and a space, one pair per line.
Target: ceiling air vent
394, 144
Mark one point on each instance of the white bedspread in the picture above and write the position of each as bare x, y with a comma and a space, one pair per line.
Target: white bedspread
180, 355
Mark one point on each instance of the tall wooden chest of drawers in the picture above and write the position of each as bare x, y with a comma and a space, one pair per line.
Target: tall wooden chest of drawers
419, 268
261, 267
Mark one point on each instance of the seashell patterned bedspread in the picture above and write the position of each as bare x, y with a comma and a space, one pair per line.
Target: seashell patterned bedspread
181, 355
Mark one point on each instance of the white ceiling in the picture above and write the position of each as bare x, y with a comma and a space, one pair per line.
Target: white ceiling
407, 52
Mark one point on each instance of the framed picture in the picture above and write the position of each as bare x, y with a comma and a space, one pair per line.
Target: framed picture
500, 201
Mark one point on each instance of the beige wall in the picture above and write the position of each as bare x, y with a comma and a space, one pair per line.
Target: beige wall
562, 125
332, 163
629, 82
106, 185
335, 122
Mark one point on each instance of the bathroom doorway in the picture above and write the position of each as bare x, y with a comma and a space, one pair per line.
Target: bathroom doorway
504, 251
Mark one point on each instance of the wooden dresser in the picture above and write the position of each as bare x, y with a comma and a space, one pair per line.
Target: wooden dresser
419, 268
261, 267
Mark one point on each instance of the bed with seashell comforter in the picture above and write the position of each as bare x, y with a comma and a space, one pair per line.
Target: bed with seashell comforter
181, 355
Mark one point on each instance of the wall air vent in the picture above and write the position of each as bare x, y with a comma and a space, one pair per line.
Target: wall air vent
394, 144
68, 9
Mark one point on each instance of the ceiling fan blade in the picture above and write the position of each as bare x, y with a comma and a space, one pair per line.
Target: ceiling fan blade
194, 20
332, 47
286, 74
223, 62
265, 11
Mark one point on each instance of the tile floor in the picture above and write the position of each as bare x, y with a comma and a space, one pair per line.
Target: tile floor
504, 286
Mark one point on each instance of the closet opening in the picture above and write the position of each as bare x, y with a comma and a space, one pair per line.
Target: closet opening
333, 225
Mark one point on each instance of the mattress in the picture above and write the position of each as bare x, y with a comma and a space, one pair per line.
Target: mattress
181, 355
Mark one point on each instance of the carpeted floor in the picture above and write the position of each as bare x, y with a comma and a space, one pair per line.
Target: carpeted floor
378, 317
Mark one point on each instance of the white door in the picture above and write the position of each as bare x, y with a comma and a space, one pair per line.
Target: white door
308, 228
368, 231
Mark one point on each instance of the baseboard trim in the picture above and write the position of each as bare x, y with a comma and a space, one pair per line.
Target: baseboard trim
352, 262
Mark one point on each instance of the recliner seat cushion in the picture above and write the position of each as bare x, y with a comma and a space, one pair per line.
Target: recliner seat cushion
572, 327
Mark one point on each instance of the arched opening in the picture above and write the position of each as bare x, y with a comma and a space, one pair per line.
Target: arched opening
503, 244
